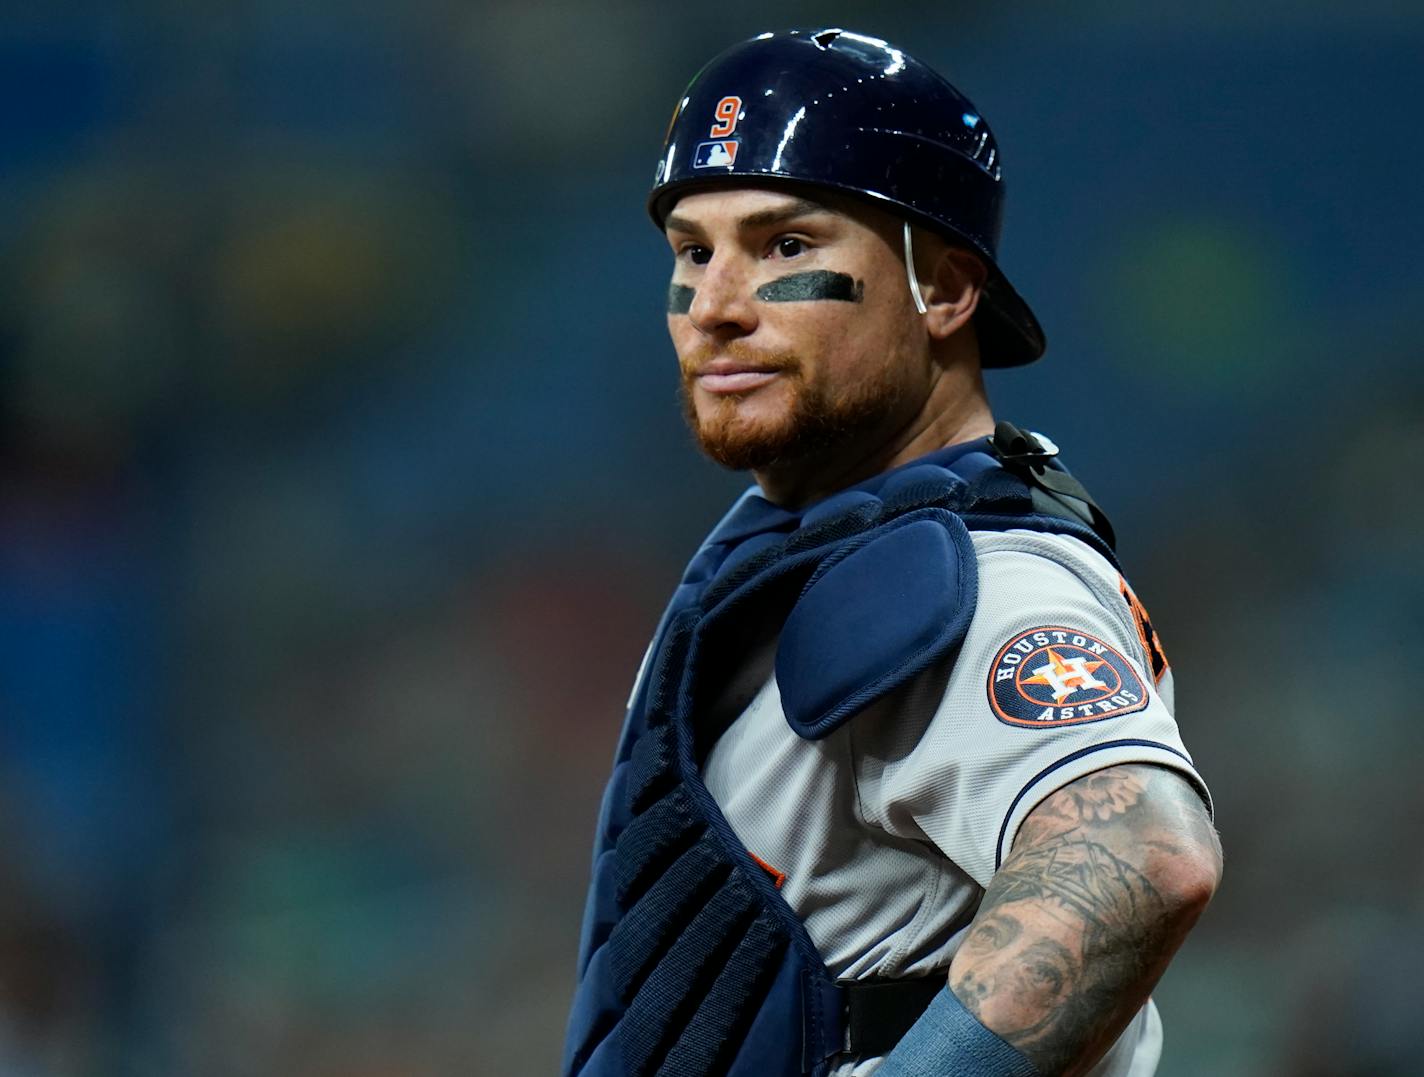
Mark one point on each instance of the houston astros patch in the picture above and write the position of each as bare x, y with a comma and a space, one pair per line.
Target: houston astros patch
1054, 676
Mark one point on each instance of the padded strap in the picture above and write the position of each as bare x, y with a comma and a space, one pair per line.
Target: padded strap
1023, 453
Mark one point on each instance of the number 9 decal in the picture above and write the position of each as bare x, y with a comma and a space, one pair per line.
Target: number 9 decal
726, 113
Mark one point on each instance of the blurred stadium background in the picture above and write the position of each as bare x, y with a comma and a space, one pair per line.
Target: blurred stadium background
341, 482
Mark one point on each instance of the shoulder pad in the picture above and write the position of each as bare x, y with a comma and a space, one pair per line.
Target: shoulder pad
876, 613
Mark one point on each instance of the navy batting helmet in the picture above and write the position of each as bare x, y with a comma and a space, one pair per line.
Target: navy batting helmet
853, 113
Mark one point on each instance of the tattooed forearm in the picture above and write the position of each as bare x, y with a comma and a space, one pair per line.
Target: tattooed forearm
1106, 878
1086, 926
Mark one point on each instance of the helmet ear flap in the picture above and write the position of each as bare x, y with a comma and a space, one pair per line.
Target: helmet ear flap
840, 110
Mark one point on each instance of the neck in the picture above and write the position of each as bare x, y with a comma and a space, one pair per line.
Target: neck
954, 410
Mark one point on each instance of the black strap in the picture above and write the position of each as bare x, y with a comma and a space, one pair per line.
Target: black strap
1024, 455
880, 1012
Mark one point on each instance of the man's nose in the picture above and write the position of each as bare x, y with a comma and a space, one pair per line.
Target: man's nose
725, 304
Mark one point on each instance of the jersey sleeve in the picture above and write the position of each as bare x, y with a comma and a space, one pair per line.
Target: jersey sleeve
1056, 678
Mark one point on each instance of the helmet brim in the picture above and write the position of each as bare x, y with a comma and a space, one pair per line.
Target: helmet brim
1009, 334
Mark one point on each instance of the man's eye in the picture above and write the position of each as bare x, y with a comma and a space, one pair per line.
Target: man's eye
789, 247
698, 256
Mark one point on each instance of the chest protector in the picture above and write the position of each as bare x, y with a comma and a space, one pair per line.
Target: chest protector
690, 962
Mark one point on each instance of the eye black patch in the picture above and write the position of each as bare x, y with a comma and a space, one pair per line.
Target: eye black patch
815, 284
680, 298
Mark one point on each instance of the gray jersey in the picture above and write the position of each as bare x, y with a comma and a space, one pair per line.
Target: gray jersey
884, 834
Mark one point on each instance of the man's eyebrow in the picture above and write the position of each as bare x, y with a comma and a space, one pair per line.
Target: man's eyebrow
802, 207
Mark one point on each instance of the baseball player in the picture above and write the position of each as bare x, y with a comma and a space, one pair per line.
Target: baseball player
899, 790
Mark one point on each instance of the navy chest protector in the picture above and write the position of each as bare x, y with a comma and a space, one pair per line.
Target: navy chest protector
690, 962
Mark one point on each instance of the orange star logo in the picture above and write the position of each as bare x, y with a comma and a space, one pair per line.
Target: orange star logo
1066, 677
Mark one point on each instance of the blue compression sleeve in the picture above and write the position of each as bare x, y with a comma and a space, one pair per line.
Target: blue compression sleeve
949, 1040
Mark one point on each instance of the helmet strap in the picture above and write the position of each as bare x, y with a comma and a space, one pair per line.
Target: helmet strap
910, 271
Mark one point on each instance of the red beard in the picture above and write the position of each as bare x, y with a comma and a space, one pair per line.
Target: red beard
814, 421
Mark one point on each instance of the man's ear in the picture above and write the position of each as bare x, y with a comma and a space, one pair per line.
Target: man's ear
953, 290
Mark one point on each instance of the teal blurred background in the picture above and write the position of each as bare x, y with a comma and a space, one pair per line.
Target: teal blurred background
341, 481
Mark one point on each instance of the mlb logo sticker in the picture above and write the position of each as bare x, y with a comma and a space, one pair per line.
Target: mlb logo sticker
722, 154
1055, 676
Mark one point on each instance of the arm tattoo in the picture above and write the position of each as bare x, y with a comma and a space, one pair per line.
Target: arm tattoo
1073, 932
